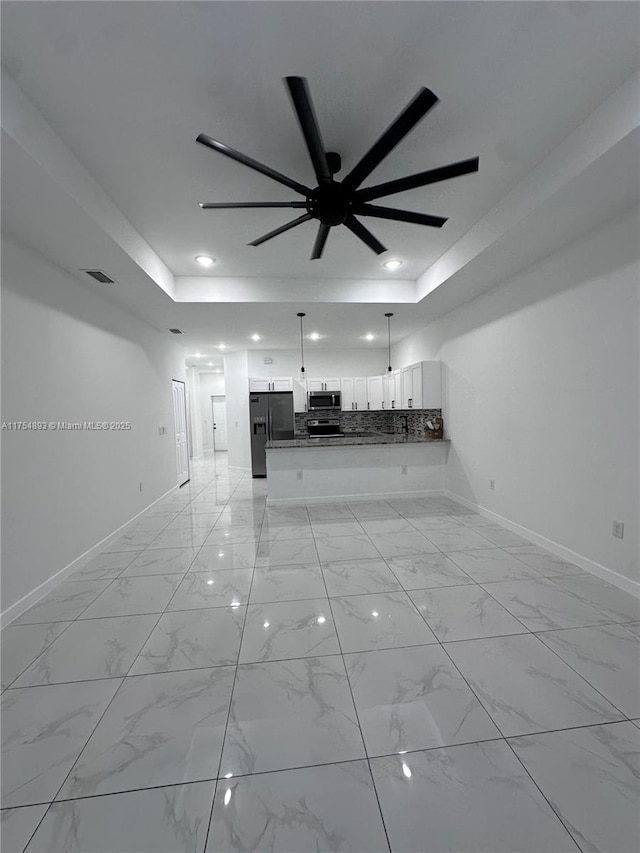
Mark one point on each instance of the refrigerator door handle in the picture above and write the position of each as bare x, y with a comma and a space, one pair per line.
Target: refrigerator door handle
268, 424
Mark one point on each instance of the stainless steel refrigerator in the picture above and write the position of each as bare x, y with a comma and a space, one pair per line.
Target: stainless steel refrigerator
271, 419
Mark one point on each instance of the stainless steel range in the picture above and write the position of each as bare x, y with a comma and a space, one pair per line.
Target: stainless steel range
323, 427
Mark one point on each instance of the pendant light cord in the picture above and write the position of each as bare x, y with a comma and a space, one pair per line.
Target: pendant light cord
301, 314
389, 315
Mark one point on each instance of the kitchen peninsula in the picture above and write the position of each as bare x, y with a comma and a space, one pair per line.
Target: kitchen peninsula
354, 466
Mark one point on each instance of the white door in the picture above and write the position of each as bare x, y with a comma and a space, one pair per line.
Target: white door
180, 421
219, 409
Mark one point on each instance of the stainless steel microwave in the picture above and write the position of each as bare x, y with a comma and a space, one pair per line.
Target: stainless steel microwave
323, 400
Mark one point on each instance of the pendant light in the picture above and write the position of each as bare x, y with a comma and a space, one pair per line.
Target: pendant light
389, 315
301, 314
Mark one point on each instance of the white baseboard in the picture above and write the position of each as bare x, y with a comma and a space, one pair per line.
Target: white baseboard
567, 554
33, 597
371, 496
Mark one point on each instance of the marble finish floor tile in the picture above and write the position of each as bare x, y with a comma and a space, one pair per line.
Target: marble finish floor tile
276, 532
192, 639
335, 529
292, 713
288, 629
475, 798
414, 698
434, 522
544, 562
22, 644
161, 729
332, 807
373, 509
619, 605
464, 613
541, 605
181, 538
105, 566
379, 621
18, 825
165, 561
590, 777
493, 564
132, 541
234, 555
234, 535
403, 544
359, 576
43, 731
330, 512
386, 525
357, 547
287, 583
473, 519
132, 596
91, 648
286, 553
458, 539
194, 521
66, 602
608, 657
526, 688
502, 537
427, 570
197, 590
286, 515
161, 820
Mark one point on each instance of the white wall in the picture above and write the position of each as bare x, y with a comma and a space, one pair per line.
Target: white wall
318, 363
70, 355
236, 373
541, 393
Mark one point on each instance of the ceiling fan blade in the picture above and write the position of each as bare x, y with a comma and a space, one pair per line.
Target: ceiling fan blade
432, 176
305, 218
203, 139
321, 239
406, 121
364, 234
214, 205
303, 106
399, 215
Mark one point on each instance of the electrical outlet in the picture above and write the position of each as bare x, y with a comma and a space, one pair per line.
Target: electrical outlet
618, 529
403, 469
298, 475
492, 485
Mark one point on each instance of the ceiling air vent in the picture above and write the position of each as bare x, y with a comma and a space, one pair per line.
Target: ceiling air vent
100, 276
176, 331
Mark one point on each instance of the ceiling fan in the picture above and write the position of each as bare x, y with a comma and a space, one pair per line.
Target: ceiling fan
339, 202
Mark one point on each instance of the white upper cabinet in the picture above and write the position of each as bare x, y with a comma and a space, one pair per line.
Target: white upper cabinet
324, 384
374, 392
392, 385
299, 396
422, 386
260, 385
354, 393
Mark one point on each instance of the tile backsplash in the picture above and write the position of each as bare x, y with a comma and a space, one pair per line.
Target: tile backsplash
382, 421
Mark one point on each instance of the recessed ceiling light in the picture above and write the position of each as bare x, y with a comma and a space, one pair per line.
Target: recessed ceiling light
392, 264
205, 260
218, 371
197, 355
255, 337
222, 346
209, 364
369, 337
314, 336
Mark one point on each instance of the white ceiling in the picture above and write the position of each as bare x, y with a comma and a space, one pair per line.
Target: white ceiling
128, 86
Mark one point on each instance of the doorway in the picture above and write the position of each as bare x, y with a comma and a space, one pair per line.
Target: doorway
219, 421
180, 422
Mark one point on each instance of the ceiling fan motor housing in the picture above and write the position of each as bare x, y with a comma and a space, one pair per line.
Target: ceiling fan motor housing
330, 203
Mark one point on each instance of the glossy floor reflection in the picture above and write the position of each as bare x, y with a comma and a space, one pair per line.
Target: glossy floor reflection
384, 675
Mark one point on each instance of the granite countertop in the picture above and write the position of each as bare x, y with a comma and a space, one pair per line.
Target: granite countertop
352, 441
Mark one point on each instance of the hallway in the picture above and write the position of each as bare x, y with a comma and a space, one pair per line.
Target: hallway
397, 674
